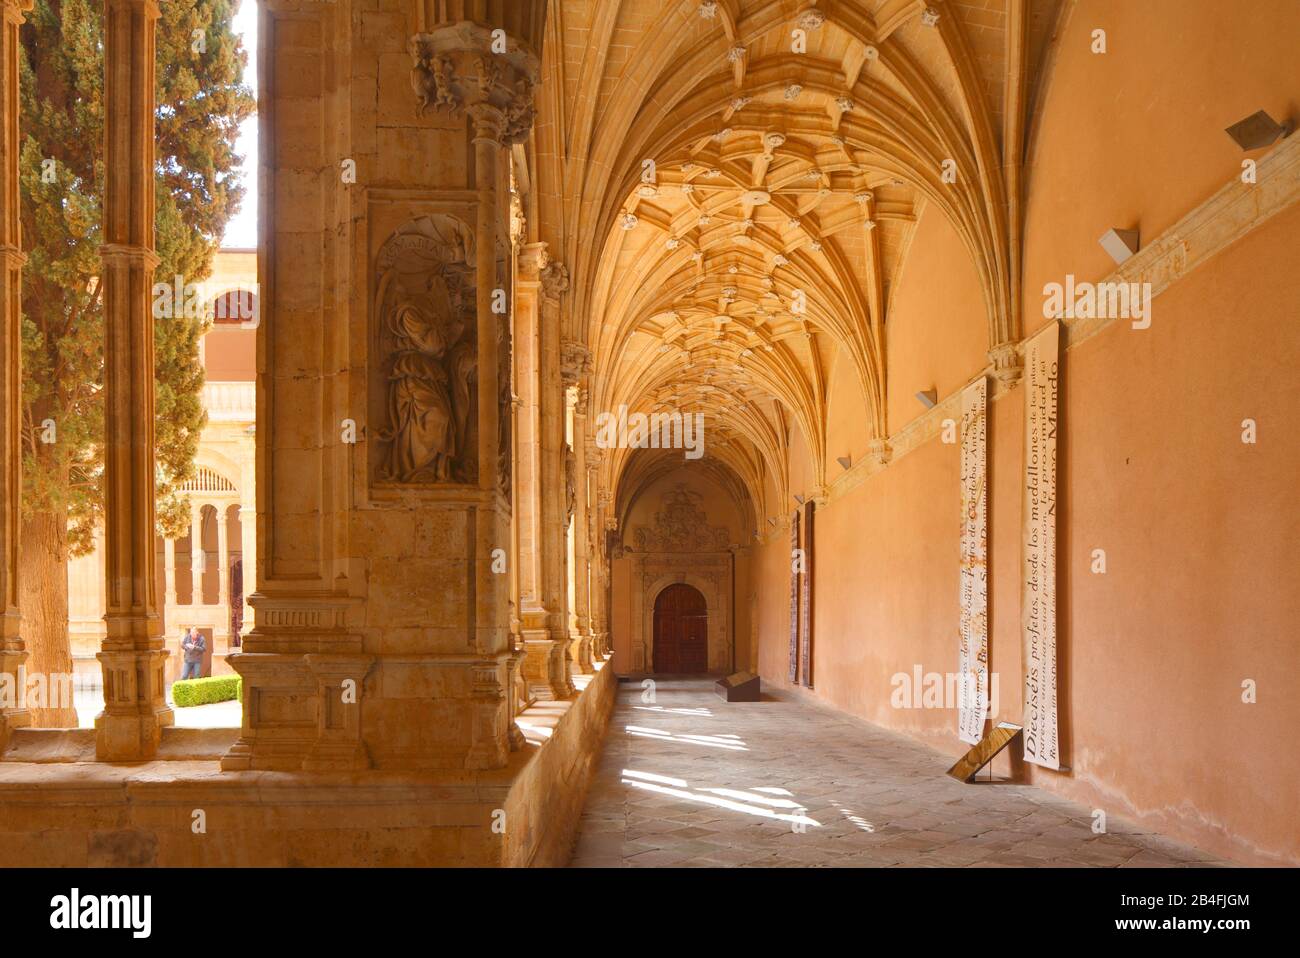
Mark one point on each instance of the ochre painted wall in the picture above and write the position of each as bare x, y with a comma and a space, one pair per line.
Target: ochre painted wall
1201, 532
1202, 546
936, 333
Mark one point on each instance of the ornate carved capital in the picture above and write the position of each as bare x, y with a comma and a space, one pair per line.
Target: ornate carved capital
14, 9
880, 450
575, 362
555, 279
462, 65
1008, 367
533, 258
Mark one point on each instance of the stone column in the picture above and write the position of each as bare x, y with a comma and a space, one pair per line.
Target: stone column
133, 656
198, 555
607, 523
581, 536
13, 651
546, 652
223, 558
248, 557
223, 580
596, 561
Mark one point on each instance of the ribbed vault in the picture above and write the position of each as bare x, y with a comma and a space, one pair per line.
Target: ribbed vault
733, 186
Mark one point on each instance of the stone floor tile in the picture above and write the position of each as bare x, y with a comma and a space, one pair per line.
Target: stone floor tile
879, 800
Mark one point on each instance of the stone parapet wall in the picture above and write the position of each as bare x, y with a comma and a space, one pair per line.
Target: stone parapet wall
103, 815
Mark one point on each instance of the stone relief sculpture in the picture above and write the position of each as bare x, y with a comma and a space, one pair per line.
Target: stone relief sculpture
681, 525
455, 67
427, 349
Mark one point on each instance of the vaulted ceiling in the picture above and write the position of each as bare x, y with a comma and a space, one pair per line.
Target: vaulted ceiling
734, 185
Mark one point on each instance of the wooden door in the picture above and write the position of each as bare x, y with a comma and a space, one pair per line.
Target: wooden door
681, 631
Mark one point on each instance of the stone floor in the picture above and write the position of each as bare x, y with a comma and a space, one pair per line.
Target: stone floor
689, 780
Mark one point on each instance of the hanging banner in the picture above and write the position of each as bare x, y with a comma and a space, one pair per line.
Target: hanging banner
795, 563
1038, 553
973, 625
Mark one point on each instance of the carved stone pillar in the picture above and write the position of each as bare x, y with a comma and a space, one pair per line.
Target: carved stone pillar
133, 656
248, 559
223, 574
304, 664
13, 651
531, 616
595, 560
581, 535
546, 653
605, 523
198, 555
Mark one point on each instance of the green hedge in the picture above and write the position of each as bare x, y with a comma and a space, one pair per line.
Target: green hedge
218, 688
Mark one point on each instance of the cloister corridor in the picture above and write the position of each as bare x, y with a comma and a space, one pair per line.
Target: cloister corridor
691, 781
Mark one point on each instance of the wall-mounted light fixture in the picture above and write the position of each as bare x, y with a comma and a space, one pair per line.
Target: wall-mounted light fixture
1120, 244
928, 397
1257, 131
845, 461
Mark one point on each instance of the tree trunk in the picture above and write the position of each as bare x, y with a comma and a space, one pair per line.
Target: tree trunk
43, 599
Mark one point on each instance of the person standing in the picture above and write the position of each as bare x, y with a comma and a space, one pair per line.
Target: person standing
193, 645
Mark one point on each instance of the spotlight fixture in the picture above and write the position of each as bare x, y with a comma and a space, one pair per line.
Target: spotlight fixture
845, 461
1257, 131
928, 397
1120, 244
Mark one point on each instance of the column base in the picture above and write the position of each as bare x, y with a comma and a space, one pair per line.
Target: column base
135, 705
130, 738
580, 648
546, 667
11, 675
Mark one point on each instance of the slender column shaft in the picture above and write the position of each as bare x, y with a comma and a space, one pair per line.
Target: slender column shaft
581, 552
223, 562
133, 655
248, 559
198, 555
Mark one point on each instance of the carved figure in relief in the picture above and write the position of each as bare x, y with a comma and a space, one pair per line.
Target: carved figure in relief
681, 526
425, 315
431, 79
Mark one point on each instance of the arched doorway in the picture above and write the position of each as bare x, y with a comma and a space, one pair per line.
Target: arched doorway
681, 636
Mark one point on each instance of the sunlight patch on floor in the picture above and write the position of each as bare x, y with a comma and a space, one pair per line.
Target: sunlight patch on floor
679, 788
